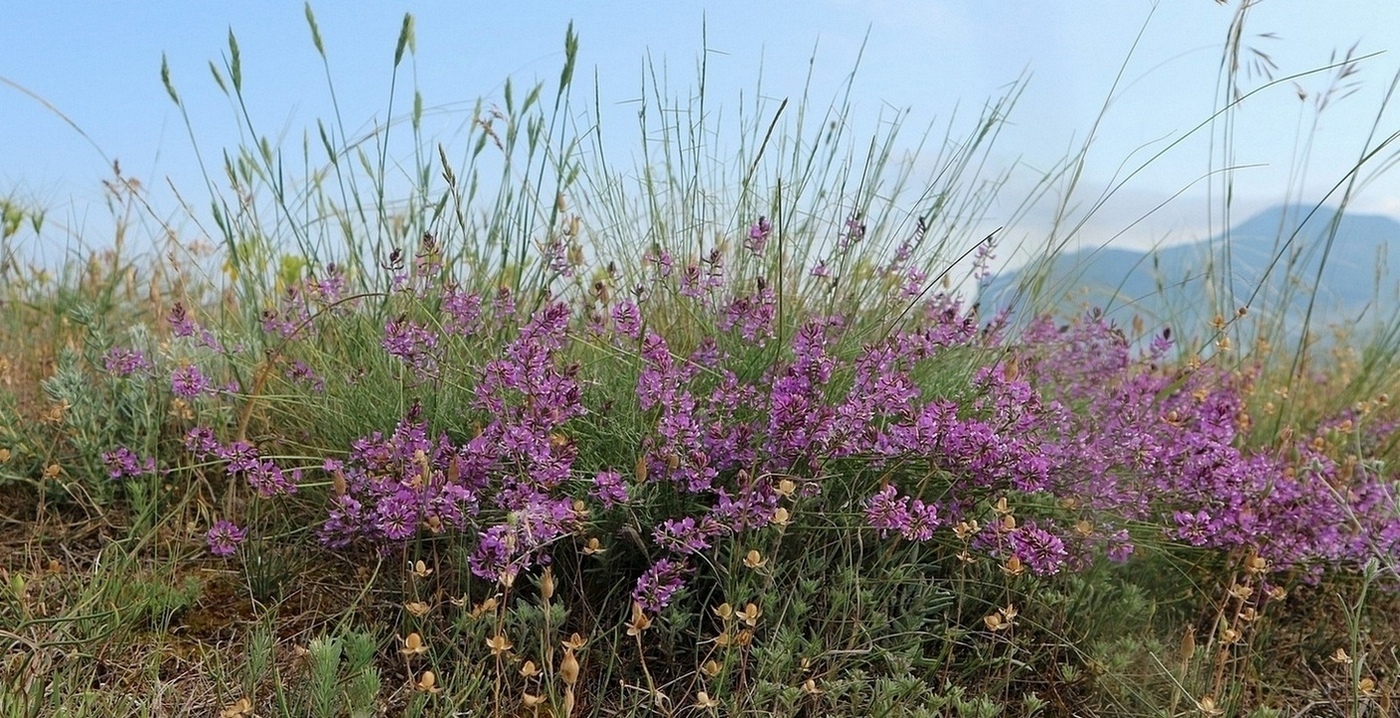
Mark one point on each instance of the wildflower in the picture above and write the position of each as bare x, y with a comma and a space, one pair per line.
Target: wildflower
640, 621
427, 683
759, 233
568, 667
710, 668
749, 614
240, 709
656, 587
528, 669
499, 645
704, 701
1207, 707
753, 559
609, 489
188, 382
124, 362
417, 609
224, 537
593, 546
1042, 552
413, 645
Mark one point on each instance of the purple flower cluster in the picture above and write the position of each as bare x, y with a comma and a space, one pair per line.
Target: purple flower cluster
123, 463
189, 382
413, 344
910, 518
243, 461
121, 361
659, 585
224, 537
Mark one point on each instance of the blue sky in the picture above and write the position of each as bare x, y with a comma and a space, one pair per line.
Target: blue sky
98, 63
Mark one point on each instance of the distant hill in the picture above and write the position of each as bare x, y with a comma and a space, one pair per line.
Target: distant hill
1183, 286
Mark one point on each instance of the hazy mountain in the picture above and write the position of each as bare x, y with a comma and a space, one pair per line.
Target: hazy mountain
1183, 286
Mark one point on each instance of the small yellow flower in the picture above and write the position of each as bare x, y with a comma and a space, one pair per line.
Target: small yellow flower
531, 700
240, 708
593, 546
1278, 593
421, 570
52, 471
547, 584
1013, 566
1241, 591
4, 456
966, 529
1230, 636
711, 668
1001, 508
809, 687
413, 645
1340, 656
1367, 686
483, 608
1002, 619
781, 516
1084, 528
640, 621
1008, 523
499, 645
1208, 707
573, 642
427, 683
786, 487
529, 670
743, 638
754, 559
417, 609
750, 614
724, 611
704, 701
568, 668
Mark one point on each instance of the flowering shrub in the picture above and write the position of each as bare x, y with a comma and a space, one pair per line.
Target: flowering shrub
1042, 458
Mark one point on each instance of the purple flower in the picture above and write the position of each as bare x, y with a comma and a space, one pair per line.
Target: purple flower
687, 535
300, 372
200, 441
659, 585
124, 463
758, 235
124, 362
886, 512
413, 344
609, 489
1041, 551
188, 382
224, 537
